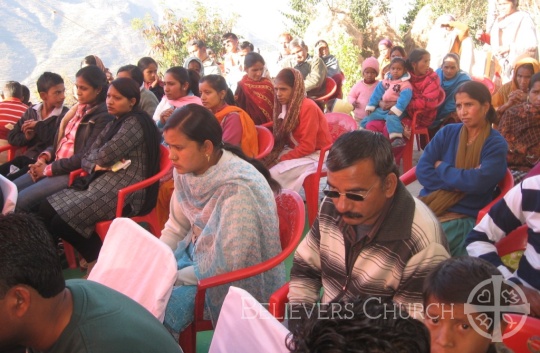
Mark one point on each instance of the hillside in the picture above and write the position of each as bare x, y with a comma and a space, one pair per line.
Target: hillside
55, 35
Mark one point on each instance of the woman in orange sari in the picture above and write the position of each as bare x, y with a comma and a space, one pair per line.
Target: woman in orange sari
255, 93
238, 128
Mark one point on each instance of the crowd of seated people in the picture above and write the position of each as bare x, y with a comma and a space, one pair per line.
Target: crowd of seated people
218, 201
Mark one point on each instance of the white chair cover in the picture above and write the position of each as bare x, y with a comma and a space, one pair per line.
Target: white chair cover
10, 193
136, 263
244, 325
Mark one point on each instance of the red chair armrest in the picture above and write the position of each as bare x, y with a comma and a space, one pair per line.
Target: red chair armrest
11, 150
75, 174
505, 185
277, 302
122, 193
409, 176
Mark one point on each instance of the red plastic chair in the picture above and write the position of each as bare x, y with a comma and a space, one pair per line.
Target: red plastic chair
268, 125
331, 88
291, 214
504, 185
12, 151
340, 80
150, 218
487, 82
338, 124
415, 133
266, 141
527, 339
165, 165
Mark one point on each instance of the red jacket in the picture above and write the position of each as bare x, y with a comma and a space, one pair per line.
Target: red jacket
311, 134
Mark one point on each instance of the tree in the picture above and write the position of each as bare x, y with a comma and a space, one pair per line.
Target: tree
168, 41
361, 14
360, 11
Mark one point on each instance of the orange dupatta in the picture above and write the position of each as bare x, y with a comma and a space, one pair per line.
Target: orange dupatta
250, 143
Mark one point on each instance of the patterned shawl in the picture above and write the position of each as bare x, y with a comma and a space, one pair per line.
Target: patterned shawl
250, 143
234, 224
283, 128
256, 98
426, 89
520, 126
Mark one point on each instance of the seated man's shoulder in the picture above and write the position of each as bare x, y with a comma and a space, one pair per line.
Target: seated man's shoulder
426, 227
108, 319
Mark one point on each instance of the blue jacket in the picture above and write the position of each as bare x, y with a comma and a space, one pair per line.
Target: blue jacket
478, 183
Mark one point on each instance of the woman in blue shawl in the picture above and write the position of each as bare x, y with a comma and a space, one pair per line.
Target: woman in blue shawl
451, 77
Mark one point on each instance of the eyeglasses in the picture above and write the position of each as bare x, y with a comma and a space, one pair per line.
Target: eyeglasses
354, 196
226, 42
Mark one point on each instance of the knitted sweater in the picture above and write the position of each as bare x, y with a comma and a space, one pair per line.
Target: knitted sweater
359, 97
393, 265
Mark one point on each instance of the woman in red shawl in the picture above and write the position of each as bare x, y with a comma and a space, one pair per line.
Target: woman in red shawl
255, 93
426, 88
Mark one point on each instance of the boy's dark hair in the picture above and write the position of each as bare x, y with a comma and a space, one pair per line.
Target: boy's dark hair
453, 280
369, 326
28, 256
229, 35
26, 95
48, 80
247, 45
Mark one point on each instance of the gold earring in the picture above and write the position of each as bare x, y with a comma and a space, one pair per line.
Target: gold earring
207, 157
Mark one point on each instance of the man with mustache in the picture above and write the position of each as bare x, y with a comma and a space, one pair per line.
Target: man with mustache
371, 238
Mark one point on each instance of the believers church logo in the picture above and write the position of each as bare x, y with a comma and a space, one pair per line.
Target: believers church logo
486, 313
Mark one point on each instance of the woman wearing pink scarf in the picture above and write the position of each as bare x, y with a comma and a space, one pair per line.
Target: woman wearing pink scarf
181, 88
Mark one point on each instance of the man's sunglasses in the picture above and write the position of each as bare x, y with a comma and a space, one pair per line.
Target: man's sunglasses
354, 196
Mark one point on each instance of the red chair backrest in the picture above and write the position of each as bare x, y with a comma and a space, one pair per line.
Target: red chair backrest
291, 213
331, 88
487, 82
340, 123
266, 141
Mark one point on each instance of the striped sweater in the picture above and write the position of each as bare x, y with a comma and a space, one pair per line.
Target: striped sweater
407, 246
11, 110
520, 205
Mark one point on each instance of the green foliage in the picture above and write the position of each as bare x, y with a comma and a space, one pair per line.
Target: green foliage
473, 13
303, 11
348, 55
470, 12
410, 17
168, 40
360, 11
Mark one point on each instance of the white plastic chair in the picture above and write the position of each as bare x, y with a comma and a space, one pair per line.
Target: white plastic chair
247, 326
136, 263
10, 193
